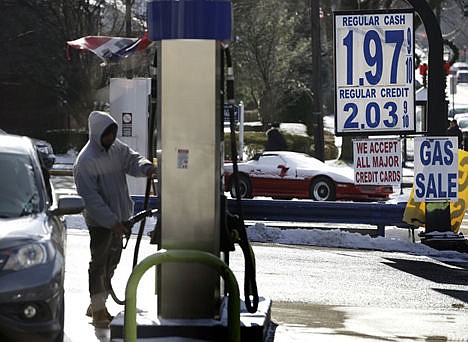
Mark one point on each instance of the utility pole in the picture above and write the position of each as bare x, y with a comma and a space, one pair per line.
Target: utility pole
316, 79
128, 33
437, 213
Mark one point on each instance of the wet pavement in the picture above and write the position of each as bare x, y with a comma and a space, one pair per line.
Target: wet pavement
308, 322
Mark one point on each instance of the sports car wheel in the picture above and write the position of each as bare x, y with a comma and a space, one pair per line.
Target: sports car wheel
322, 189
244, 185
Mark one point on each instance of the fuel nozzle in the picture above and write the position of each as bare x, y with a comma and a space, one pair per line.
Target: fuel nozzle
134, 219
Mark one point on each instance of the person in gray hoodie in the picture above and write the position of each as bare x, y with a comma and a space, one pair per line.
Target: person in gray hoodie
100, 176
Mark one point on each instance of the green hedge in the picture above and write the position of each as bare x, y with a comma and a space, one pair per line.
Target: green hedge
254, 142
63, 140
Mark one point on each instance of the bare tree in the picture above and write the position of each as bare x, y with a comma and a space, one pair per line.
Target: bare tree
264, 34
33, 36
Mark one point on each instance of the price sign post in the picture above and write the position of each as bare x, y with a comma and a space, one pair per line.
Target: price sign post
374, 72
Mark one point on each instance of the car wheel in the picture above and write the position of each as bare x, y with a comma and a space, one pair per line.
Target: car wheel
244, 185
322, 189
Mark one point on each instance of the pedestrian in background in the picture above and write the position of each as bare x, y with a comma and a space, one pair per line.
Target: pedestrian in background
454, 130
275, 139
100, 176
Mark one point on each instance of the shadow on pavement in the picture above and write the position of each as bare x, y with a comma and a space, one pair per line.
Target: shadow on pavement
431, 271
440, 274
457, 294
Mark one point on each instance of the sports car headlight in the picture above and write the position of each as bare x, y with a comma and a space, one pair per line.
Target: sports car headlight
27, 256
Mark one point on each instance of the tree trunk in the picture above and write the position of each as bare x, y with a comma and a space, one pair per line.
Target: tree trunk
316, 80
267, 108
346, 154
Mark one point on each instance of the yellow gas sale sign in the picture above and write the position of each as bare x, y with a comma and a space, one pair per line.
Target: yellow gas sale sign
415, 212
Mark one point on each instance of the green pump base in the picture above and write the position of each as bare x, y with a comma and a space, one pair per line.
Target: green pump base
254, 327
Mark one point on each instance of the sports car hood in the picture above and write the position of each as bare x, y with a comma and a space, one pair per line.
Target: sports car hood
32, 227
305, 167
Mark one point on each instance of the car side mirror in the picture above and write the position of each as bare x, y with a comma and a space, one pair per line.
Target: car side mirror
68, 205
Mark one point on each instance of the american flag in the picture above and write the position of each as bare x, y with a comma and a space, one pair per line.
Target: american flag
110, 49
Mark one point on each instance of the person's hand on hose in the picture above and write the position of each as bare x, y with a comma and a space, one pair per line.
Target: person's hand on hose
152, 171
119, 229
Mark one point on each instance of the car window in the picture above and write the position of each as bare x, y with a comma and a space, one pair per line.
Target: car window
462, 77
19, 193
463, 124
453, 111
271, 160
308, 162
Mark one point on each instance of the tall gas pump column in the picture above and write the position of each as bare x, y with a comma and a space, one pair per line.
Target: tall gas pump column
189, 35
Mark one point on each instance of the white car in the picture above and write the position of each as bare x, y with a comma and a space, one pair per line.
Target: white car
463, 124
459, 116
286, 175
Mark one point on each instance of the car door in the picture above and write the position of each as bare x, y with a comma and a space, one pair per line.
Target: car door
272, 175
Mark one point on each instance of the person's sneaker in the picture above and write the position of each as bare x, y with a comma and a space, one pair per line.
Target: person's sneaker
101, 319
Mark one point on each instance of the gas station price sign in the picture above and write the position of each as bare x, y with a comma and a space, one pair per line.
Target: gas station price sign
374, 72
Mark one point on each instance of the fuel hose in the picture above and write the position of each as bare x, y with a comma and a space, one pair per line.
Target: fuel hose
151, 137
139, 217
250, 283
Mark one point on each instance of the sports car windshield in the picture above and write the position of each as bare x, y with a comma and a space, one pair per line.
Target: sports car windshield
19, 194
305, 161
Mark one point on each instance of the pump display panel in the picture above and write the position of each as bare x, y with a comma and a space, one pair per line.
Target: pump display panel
374, 72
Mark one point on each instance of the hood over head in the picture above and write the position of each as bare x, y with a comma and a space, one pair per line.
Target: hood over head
98, 122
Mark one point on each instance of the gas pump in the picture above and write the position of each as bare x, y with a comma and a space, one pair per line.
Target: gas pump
194, 232
128, 100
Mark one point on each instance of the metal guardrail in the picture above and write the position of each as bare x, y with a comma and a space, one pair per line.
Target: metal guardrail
61, 169
375, 214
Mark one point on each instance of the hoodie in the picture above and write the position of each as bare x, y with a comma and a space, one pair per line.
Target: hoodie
100, 175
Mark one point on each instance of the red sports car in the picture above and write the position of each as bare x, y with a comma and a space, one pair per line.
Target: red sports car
286, 175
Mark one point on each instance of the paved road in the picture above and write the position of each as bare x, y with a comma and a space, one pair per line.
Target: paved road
319, 294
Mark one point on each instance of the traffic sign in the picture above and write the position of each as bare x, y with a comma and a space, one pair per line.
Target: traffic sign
226, 112
374, 72
435, 169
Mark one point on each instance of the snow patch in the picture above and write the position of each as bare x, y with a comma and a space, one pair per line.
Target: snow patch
337, 238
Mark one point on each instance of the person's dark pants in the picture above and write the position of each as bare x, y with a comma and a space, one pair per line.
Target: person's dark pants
106, 249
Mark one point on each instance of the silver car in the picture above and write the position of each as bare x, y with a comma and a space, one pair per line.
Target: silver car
32, 245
